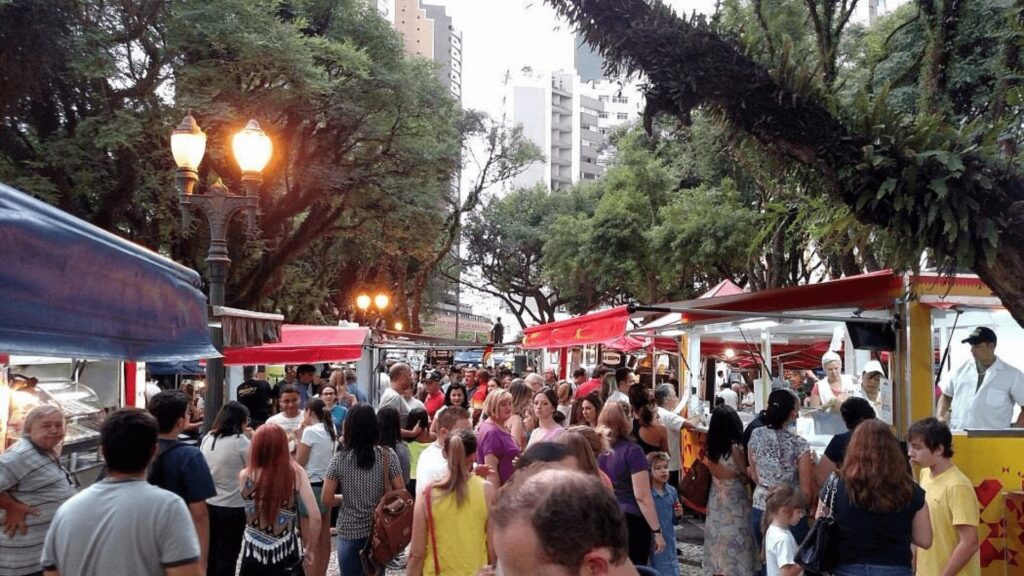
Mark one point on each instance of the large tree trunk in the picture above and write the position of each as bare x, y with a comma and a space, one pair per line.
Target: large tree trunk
687, 65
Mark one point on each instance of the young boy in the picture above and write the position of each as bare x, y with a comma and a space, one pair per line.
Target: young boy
952, 503
666, 502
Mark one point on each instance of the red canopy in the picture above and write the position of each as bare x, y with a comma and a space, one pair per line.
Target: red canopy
804, 356
870, 291
303, 344
633, 343
596, 328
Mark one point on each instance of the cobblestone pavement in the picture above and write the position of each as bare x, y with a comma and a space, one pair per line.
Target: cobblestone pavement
689, 545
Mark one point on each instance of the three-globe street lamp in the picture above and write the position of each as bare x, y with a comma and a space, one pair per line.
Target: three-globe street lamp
252, 149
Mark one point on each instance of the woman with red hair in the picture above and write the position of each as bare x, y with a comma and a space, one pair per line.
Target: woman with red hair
276, 542
879, 509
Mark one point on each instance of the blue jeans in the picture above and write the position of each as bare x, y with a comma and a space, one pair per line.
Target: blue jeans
871, 570
348, 556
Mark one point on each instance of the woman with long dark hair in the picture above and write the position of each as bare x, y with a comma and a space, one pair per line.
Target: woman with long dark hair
648, 432
226, 449
390, 427
357, 475
545, 405
275, 542
452, 515
314, 453
778, 456
728, 540
586, 410
879, 509
456, 395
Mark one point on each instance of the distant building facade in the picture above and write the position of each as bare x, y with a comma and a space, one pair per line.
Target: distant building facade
570, 121
427, 31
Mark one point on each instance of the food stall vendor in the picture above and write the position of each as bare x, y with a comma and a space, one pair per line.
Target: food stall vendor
835, 388
877, 390
982, 393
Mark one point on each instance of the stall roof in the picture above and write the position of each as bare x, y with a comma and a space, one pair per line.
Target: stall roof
595, 328
304, 344
71, 289
184, 368
870, 291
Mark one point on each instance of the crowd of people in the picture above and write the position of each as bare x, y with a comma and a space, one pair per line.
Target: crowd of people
768, 489
499, 467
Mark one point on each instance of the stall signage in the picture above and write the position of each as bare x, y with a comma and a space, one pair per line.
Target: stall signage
439, 358
611, 358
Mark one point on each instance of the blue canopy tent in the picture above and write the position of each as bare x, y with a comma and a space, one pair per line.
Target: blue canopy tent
71, 289
190, 368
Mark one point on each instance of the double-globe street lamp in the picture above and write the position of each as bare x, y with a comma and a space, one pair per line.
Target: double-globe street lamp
252, 149
380, 302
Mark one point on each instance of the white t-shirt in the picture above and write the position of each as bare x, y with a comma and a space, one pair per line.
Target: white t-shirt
729, 396
618, 396
989, 406
431, 466
321, 450
674, 423
289, 425
779, 549
226, 456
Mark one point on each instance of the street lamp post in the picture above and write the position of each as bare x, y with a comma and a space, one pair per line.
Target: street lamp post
252, 149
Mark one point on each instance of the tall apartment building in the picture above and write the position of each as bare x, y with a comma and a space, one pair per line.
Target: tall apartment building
427, 31
569, 120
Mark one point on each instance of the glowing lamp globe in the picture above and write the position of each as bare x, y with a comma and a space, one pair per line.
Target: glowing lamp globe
188, 144
252, 148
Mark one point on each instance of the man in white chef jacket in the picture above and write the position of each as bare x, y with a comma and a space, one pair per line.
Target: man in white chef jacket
983, 392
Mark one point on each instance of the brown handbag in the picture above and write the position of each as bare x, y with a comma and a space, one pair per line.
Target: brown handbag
695, 487
392, 526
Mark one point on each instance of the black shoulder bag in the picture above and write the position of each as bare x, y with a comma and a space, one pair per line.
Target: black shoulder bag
819, 552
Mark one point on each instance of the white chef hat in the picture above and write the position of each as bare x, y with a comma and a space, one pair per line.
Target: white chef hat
872, 367
830, 357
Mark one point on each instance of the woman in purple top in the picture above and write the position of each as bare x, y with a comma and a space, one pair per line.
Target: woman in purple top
627, 468
495, 445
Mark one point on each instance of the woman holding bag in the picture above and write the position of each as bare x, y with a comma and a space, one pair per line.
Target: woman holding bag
878, 508
356, 474
449, 529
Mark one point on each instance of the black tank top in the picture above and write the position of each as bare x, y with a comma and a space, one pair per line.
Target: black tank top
647, 448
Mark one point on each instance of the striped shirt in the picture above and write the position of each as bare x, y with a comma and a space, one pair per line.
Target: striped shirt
37, 479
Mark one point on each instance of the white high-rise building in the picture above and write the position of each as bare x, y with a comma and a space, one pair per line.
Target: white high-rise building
569, 120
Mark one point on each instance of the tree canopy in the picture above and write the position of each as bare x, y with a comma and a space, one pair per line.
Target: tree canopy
367, 142
915, 140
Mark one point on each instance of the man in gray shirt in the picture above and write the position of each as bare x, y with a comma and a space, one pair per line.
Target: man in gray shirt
123, 524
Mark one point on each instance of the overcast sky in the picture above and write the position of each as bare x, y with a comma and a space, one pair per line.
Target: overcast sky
505, 35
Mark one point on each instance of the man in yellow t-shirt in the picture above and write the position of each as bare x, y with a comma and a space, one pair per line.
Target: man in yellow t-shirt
952, 504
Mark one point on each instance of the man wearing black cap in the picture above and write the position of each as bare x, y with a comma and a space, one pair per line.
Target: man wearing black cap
982, 393
434, 398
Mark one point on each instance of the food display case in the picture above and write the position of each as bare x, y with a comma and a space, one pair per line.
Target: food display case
61, 384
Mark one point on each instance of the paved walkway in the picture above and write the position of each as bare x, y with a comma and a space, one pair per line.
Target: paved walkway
689, 545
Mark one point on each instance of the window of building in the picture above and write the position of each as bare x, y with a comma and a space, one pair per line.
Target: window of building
621, 116
603, 130
620, 100
602, 114
602, 98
